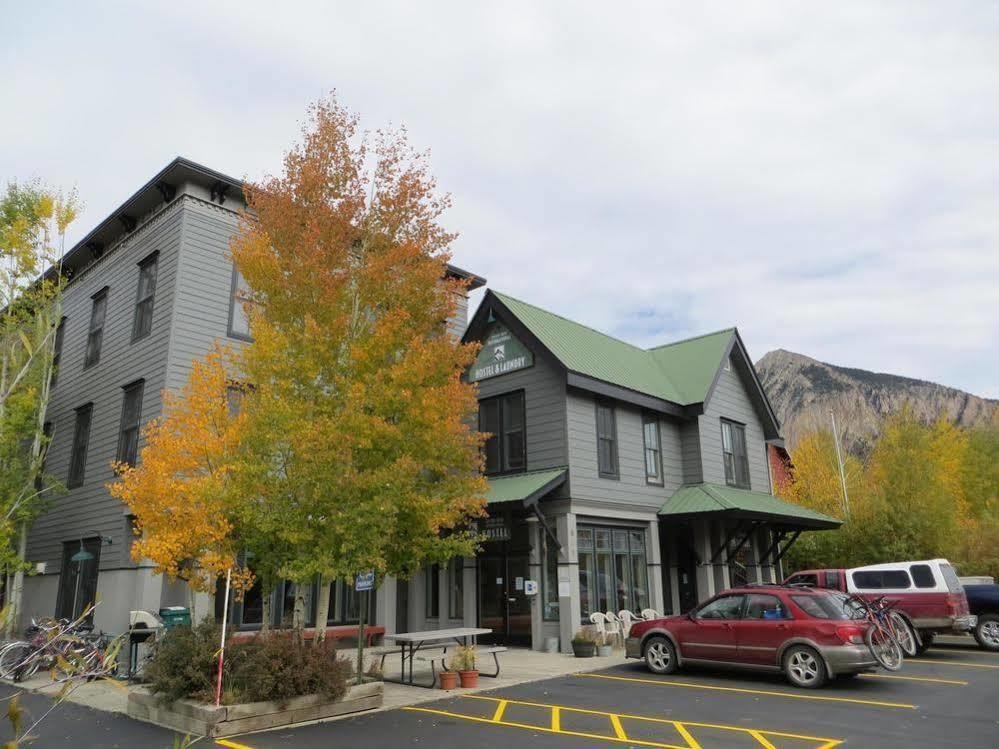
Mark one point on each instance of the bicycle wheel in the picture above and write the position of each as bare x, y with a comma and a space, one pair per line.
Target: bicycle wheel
903, 633
16, 661
884, 648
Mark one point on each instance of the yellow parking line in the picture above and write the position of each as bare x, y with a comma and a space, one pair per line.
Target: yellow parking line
691, 741
618, 728
556, 719
932, 661
764, 741
498, 715
789, 695
915, 678
231, 744
665, 721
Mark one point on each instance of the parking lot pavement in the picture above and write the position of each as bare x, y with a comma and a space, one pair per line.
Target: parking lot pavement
945, 699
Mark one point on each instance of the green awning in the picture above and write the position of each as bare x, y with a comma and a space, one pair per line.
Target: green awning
714, 499
524, 487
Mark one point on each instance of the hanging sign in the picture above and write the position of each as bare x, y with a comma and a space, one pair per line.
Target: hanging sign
495, 529
364, 580
501, 353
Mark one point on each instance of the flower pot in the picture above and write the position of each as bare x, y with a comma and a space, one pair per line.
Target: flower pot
469, 679
605, 651
584, 649
448, 679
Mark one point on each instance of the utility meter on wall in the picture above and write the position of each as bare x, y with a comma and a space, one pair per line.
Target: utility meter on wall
530, 588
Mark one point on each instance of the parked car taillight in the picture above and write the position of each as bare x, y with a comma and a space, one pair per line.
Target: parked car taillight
850, 635
953, 605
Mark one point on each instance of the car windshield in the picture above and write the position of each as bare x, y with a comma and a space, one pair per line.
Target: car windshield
833, 606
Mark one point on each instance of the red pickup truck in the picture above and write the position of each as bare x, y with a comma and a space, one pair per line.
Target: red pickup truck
928, 593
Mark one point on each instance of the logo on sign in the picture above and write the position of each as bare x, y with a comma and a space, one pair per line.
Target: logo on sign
364, 580
501, 353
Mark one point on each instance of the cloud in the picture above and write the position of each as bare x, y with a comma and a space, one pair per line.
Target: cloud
824, 177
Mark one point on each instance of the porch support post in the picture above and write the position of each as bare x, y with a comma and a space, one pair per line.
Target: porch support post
705, 571
568, 577
536, 572
385, 600
470, 591
655, 566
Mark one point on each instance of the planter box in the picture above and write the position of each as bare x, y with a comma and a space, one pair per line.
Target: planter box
202, 719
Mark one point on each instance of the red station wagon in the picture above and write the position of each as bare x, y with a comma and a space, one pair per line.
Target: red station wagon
807, 634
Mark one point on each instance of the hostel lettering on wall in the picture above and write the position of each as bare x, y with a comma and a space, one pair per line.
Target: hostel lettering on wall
494, 529
501, 353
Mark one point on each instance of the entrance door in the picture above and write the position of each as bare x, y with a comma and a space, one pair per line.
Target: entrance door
686, 573
503, 606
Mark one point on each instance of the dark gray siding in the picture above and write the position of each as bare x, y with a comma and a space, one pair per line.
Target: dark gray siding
544, 402
631, 488
693, 472
89, 508
730, 400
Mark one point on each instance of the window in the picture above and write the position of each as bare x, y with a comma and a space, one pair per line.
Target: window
433, 597
96, 335
57, 350
606, 441
613, 570
78, 579
144, 301
503, 418
760, 606
653, 449
81, 436
455, 588
550, 611
726, 607
128, 435
881, 579
823, 607
734, 453
240, 300
922, 576
804, 578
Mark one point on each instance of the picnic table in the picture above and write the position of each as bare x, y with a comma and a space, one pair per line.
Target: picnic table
410, 643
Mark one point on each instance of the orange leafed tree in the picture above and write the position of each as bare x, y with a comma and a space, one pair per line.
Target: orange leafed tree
181, 490
360, 433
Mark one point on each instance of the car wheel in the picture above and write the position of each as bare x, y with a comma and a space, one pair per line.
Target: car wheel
987, 631
804, 667
660, 655
925, 642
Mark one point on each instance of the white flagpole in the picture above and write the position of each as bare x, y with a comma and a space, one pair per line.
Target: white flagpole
225, 616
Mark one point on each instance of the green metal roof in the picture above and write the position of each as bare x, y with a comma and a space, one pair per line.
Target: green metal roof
681, 372
697, 499
524, 487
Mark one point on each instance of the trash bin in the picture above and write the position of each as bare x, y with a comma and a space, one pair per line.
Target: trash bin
174, 616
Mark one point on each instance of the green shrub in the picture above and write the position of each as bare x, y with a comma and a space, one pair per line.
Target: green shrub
272, 667
185, 662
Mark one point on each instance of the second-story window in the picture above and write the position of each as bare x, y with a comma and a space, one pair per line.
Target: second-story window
60, 334
81, 437
503, 418
131, 411
144, 300
96, 335
607, 462
734, 454
653, 449
239, 300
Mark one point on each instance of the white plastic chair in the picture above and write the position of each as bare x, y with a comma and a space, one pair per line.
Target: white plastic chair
651, 614
615, 627
627, 619
599, 621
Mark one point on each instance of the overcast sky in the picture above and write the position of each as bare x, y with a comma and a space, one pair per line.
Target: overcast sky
825, 176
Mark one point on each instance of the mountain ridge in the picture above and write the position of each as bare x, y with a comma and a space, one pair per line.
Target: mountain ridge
804, 390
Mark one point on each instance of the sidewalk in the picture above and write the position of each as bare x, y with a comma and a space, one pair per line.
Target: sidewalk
517, 666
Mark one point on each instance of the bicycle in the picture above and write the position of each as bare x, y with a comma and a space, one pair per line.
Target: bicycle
879, 637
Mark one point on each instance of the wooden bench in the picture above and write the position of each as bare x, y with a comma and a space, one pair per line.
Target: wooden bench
337, 633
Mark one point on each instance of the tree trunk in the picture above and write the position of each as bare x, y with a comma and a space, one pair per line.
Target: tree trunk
192, 597
322, 609
17, 587
265, 605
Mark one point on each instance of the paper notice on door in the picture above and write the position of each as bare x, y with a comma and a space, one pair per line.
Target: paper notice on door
518, 583
563, 589
499, 580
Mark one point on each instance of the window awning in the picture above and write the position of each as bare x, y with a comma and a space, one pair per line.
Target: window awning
527, 488
716, 500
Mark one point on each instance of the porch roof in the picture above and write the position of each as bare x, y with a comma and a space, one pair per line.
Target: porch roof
743, 504
524, 487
